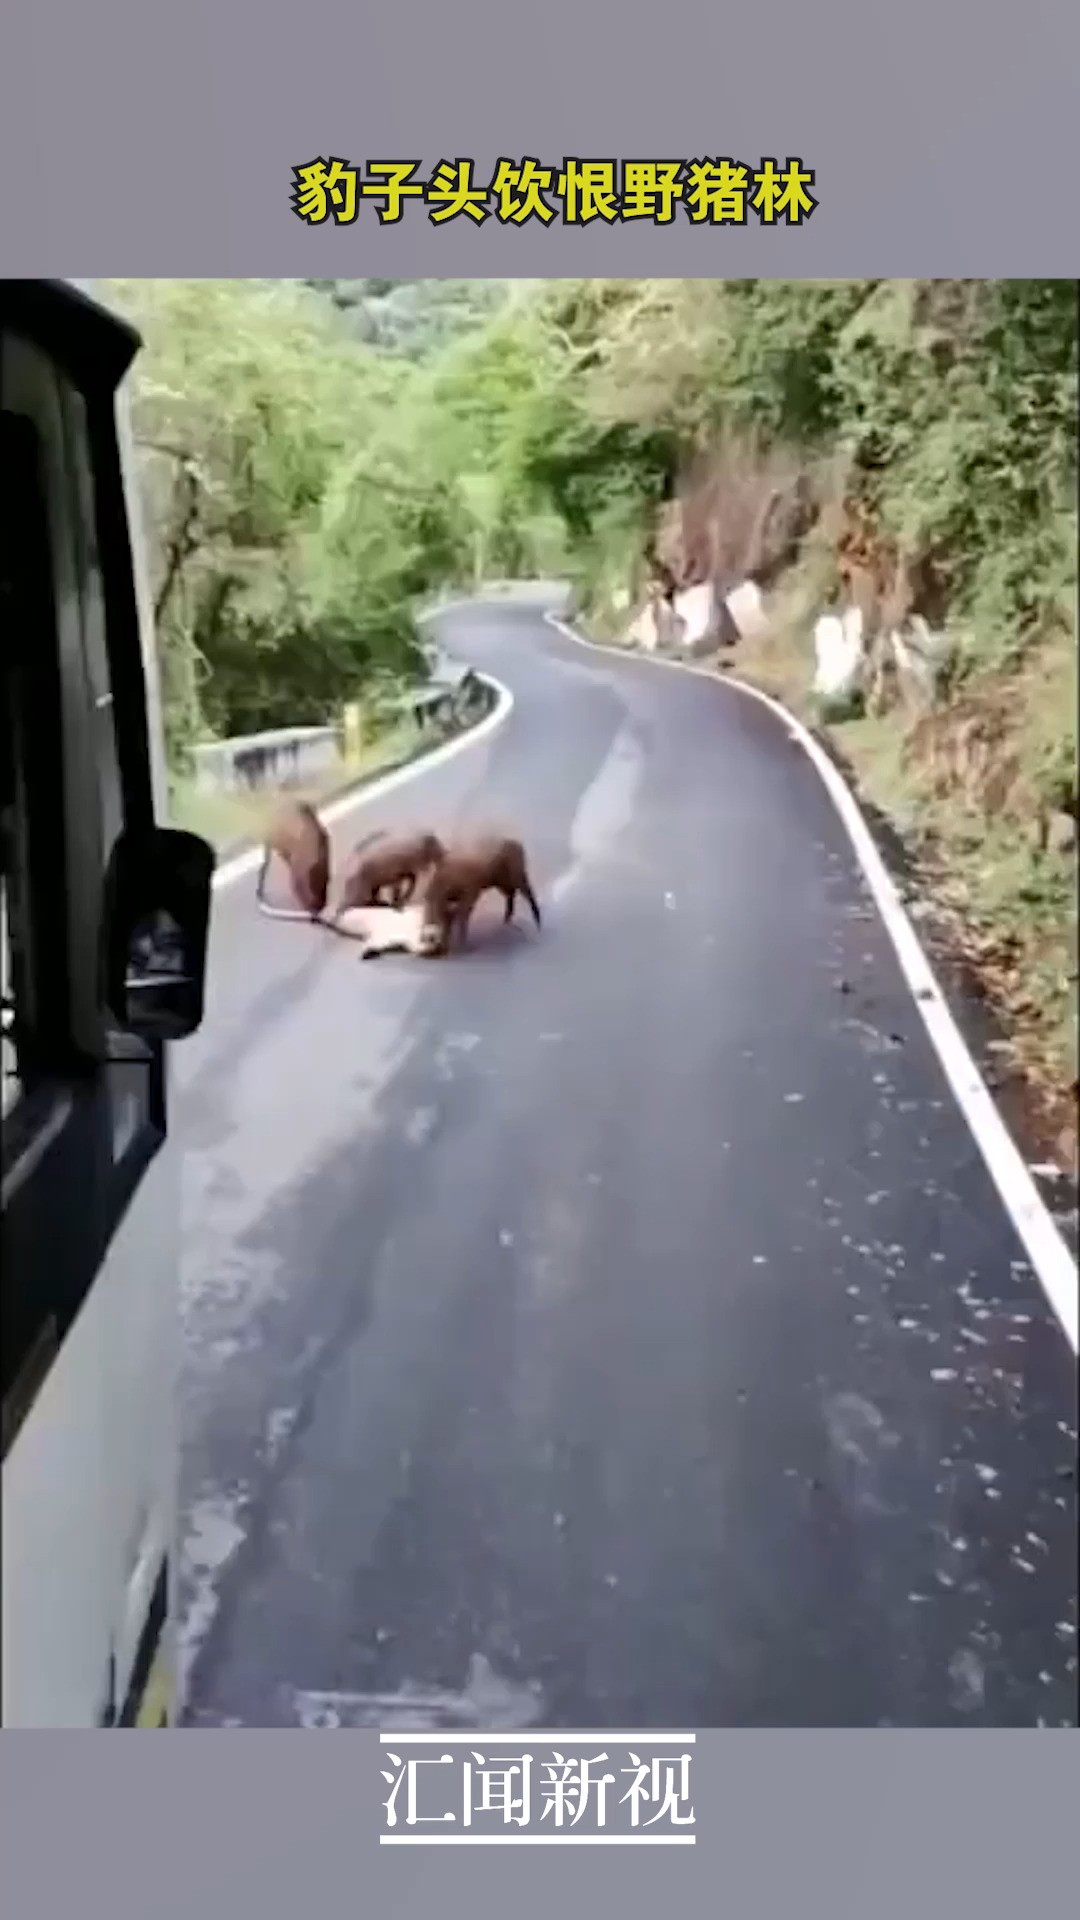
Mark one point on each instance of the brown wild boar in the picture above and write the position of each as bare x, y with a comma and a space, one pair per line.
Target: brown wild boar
386, 863
469, 868
301, 843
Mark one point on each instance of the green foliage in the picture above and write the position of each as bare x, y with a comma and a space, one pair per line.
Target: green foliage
962, 417
413, 317
954, 400
292, 525
833, 710
319, 456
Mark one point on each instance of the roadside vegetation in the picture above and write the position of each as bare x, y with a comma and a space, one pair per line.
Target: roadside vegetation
320, 457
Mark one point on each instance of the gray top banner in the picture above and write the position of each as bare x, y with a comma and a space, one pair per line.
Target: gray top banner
942, 138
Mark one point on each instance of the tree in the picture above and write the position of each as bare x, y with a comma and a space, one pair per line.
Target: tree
288, 537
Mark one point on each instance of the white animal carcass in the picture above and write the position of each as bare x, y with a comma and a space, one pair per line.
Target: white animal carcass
384, 929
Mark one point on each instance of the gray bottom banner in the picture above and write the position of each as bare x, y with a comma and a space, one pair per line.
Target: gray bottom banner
888, 1823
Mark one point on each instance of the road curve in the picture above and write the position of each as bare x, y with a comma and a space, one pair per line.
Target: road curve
617, 1326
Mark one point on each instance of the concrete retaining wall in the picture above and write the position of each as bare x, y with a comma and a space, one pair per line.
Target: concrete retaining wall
287, 757
282, 757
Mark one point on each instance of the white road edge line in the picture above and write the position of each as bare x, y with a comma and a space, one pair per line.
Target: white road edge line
249, 862
1045, 1248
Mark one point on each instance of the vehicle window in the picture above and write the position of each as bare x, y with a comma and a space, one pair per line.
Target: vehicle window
130, 1064
65, 802
83, 1103
33, 946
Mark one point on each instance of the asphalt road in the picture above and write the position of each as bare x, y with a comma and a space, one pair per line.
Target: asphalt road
611, 1327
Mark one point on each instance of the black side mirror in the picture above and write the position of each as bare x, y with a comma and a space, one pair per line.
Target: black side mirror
155, 930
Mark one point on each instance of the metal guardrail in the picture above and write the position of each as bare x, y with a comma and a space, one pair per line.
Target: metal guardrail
284, 757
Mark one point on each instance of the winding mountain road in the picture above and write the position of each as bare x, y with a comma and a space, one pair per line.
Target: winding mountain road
616, 1326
